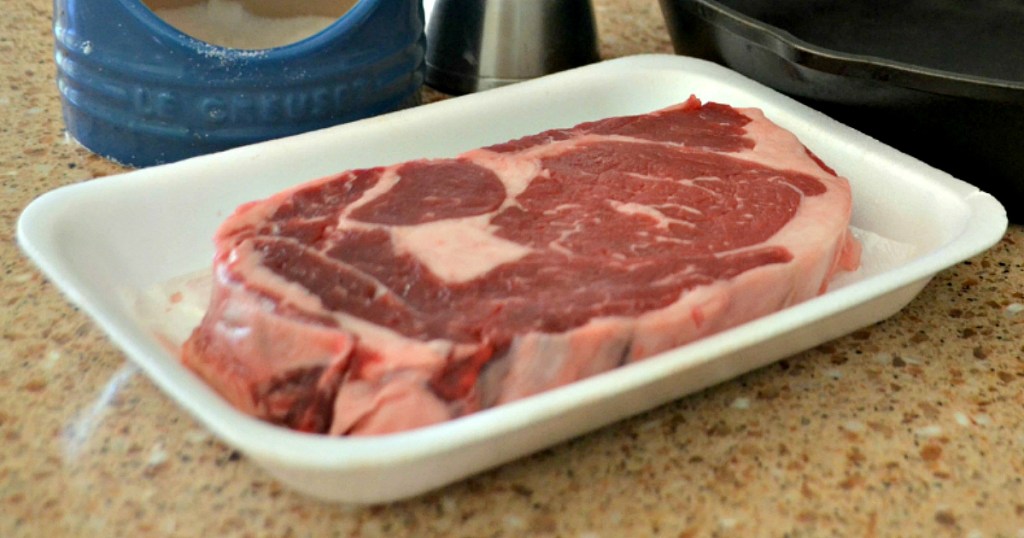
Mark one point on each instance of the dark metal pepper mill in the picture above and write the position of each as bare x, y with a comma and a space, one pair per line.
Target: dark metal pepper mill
476, 45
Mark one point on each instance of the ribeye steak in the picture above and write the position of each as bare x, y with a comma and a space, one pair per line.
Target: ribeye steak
390, 298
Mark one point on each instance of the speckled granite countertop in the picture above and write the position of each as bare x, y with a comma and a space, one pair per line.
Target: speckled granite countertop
912, 427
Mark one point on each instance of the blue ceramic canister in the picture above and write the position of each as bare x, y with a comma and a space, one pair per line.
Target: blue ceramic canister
141, 92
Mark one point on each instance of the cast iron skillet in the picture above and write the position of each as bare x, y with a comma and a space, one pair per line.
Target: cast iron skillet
942, 80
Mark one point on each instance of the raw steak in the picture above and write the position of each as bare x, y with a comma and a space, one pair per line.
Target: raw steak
390, 298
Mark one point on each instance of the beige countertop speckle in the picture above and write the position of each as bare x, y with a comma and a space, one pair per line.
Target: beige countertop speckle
911, 427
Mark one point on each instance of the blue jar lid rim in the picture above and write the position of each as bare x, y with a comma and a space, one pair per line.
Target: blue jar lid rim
351, 18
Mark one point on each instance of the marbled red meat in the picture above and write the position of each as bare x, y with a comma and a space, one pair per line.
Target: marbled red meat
385, 299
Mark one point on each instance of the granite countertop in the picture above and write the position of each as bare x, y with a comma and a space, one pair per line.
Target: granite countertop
911, 427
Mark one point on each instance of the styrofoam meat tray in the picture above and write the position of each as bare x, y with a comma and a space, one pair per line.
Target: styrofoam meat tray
109, 242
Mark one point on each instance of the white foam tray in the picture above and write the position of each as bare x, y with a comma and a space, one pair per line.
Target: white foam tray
106, 242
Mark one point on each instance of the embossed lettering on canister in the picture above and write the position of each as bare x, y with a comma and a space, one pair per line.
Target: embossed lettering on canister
138, 90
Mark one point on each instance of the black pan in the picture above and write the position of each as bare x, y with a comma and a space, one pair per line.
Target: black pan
942, 80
